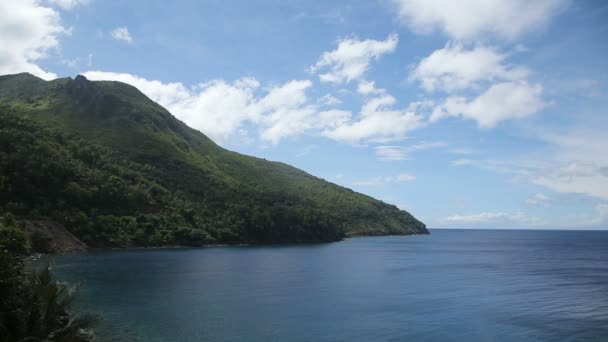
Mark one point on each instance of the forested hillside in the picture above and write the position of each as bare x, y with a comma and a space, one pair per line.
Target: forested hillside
117, 169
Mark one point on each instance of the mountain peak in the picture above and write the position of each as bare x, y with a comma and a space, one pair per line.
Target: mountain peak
80, 78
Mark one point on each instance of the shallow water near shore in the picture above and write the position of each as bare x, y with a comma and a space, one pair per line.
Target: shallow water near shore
473, 285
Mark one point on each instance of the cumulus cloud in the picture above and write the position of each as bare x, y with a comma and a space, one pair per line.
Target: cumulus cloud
122, 33
502, 101
29, 32
381, 180
476, 19
219, 108
167, 94
496, 91
285, 111
456, 68
368, 88
378, 120
351, 59
392, 152
333, 118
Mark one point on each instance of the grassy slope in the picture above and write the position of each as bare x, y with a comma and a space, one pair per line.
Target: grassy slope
117, 115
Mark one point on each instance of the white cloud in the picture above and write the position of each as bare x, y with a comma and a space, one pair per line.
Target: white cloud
219, 108
392, 152
455, 68
167, 94
491, 218
574, 177
584, 142
378, 120
351, 59
404, 177
333, 118
584, 178
329, 100
284, 111
577, 161
475, 19
502, 101
522, 220
29, 32
496, 91
68, 4
368, 88
538, 199
216, 108
572, 162
122, 33
381, 180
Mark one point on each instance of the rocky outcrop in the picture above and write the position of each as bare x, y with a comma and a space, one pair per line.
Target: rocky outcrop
51, 237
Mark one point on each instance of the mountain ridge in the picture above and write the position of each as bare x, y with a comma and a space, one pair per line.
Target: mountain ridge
130, 132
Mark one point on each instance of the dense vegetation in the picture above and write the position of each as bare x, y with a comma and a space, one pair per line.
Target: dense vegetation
117, 169
34, 306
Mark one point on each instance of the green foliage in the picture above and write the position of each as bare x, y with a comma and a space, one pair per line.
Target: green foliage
45, 312
12, 239
34, 307
13, 245
117, 169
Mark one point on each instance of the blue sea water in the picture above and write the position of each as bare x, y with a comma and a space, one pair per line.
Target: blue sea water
454, 285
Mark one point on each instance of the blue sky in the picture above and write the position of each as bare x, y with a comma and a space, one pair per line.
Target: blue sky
481, 114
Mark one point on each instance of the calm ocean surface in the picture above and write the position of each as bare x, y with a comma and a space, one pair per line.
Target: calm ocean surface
463, 285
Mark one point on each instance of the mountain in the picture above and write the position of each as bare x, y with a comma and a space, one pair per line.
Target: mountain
117, 169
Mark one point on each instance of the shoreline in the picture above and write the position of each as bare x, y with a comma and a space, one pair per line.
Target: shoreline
212, 245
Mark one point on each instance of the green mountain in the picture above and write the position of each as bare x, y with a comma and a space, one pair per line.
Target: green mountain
117, 169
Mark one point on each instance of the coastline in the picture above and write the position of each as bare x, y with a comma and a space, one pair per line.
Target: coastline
36, 256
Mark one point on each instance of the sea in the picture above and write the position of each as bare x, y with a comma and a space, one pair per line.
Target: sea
452, 285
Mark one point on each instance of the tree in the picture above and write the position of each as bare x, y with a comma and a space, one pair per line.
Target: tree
34, 306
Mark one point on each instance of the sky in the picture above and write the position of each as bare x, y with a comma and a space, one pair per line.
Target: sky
468, 114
